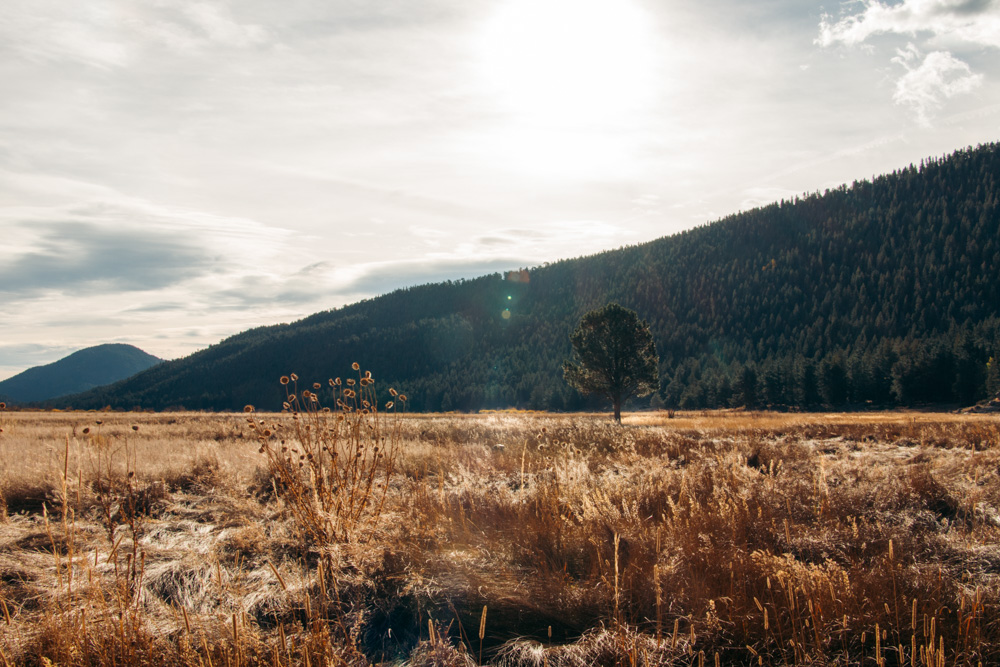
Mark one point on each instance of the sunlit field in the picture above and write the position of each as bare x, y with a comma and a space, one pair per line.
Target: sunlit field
718, 538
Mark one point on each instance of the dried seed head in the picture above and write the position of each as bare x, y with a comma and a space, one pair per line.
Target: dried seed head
350, 382
388, 406
135, 427
3, 406
368, 374
392, 392
86, 430
355, 366
402, 398
316, 385
247, 408
284, 379
295, 378
99, 422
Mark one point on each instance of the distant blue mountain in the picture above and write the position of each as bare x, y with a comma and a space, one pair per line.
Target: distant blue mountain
89, 368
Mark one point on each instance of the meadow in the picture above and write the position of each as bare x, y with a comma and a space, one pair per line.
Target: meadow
357, 537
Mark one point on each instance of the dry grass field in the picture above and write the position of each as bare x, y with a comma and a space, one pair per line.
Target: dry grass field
332, 538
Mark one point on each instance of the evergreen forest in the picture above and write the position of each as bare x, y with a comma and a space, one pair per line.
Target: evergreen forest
881, 293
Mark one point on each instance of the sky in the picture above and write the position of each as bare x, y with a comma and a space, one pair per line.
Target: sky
176, 171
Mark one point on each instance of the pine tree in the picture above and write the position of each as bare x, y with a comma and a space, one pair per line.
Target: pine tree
615, 356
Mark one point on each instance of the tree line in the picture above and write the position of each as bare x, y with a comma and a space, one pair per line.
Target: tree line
883, 292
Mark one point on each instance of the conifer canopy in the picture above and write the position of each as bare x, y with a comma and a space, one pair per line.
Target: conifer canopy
614, 356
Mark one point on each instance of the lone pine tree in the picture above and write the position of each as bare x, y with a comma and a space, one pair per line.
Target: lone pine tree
614, 356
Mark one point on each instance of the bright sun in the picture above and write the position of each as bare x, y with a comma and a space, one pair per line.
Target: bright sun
560, 69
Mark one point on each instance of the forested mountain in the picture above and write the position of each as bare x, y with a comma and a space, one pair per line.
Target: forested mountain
80, 371
883, 292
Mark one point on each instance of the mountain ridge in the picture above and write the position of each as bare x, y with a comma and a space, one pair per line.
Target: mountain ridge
80, 371
880, 292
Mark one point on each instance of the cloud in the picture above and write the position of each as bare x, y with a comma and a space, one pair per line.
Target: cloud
78, 258
220, 27
379, 279
968, 21
939, 76
109, 35
931, 80
106, 243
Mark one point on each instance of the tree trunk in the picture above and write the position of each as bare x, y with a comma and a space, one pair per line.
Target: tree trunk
618, 409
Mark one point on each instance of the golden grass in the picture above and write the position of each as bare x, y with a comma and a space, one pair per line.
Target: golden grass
730, 538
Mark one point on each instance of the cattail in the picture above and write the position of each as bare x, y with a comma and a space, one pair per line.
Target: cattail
278, 576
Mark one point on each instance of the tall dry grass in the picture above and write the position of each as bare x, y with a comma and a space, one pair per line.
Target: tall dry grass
508, 539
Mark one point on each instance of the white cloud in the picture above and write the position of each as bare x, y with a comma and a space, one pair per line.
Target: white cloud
969, 21
924, 87
109, 35
220, 27
939, 77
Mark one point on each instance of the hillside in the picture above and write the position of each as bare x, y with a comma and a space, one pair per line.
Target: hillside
80, 371
882, 292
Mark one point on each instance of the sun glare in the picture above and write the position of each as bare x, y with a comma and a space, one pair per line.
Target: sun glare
565, 74
576, 62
